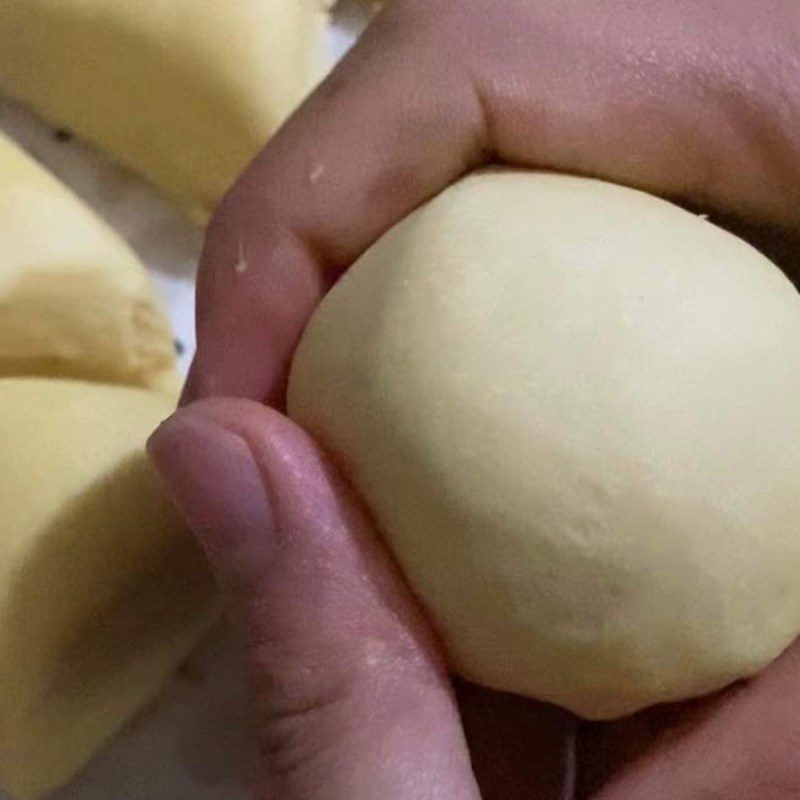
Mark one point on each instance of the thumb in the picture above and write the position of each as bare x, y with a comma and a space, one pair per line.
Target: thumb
351, 698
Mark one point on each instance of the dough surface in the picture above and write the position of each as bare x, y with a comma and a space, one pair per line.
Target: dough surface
573, 410
74, 299
102, 591
183, 91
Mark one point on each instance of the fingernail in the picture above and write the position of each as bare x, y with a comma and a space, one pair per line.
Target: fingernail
213, 480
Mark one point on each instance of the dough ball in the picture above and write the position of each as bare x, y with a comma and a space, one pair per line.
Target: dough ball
184, 91
573, 411
102, 591
74, 299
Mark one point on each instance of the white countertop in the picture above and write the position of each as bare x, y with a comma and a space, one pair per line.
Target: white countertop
191, 743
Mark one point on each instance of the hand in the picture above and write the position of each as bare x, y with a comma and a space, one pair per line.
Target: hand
683, 99
350, 696
743, 744
349, 691
695, 99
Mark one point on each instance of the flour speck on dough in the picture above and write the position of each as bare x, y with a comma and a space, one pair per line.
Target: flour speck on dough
241, 266
316, 174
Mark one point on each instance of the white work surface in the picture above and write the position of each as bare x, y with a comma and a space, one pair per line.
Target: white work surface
191, 743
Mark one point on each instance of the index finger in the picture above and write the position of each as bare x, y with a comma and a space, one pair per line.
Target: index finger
393, 124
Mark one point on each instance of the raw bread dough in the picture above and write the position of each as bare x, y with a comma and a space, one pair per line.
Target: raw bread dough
74, 300
573, 410
184, 91
102, 592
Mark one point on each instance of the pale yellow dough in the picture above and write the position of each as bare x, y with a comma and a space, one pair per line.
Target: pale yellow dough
183, 91
102, 591
74, 299
573, 410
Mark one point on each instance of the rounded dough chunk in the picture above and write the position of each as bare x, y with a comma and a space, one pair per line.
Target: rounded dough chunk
102, 591
74, 299
573, 411
184, 91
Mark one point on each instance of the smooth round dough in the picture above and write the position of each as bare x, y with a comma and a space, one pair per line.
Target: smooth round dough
574, 412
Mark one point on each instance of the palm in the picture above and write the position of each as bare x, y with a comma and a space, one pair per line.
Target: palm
741, 744
678, 98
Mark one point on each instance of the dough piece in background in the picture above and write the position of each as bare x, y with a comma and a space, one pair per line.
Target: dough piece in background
184, 91
74, 299
102, 590
573, 411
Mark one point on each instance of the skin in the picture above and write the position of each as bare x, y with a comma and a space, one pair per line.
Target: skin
696, 100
